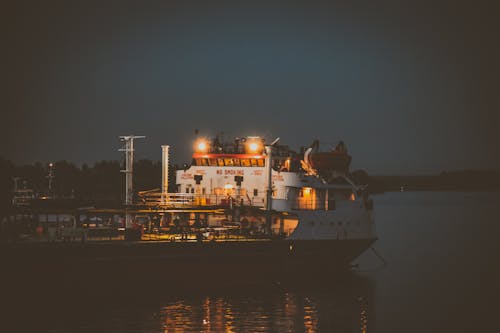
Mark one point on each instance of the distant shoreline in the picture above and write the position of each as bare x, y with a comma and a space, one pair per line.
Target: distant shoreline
456, 181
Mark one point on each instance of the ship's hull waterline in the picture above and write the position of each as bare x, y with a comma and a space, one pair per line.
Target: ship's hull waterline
180, 261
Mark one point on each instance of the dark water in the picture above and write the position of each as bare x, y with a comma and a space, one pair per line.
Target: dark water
442, 275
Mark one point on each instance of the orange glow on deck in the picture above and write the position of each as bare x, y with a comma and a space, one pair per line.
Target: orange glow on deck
306, 191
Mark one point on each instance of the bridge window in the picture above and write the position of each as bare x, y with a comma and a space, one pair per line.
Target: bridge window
212, 162
228, 162
245, 162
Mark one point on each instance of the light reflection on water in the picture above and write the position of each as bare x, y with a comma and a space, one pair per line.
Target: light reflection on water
341, 305
274, 310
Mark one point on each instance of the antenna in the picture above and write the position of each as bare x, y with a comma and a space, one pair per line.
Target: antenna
275, 141
50, 176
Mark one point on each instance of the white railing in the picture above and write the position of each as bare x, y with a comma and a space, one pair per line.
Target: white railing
191, 199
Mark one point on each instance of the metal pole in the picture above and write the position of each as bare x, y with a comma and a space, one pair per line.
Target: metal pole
164, 174
269, 190
50, 177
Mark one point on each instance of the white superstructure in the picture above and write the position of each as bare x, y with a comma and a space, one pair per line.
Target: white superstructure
327, 203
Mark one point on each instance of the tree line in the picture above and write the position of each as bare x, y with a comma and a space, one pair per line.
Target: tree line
100, 181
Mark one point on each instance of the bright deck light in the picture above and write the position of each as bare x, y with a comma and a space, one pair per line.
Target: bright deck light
201, 146
253, 147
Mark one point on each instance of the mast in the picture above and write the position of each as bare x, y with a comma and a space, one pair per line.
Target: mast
129, 162
50, 176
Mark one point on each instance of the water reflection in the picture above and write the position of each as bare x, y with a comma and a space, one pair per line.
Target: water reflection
343, 305
331, 305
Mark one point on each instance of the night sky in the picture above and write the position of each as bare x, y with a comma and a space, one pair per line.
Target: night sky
411, 88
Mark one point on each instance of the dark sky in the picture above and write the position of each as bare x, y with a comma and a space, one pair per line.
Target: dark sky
411, 88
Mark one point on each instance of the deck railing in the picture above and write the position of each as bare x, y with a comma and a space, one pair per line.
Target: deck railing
206, 200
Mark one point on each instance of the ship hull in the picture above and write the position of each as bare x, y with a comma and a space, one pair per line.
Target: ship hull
118, 264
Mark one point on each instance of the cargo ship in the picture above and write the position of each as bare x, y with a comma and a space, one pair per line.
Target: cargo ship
240, 209
311, 207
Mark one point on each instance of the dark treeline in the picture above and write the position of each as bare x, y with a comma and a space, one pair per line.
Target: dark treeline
102, 181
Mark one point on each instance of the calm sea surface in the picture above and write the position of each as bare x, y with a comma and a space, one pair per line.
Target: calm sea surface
442, 275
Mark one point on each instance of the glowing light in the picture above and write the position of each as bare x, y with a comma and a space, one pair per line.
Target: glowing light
228, 186
201, 146
306, 191
254, 144
352, 197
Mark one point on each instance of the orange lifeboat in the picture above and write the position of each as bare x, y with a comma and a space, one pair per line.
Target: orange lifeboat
336, 160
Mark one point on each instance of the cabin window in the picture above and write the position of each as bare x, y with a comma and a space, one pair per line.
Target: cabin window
255, 192
228, 162
237, 162
220, 162
260, 162
212, 162
245, 162
218, 191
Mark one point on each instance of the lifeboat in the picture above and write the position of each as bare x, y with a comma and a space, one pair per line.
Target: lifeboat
337, 159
